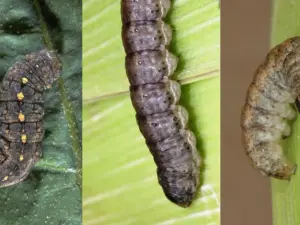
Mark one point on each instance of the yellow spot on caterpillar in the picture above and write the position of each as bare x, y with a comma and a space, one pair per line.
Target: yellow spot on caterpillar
20, 96
21, 157
5, 178
24, 80
24, 138
21, 117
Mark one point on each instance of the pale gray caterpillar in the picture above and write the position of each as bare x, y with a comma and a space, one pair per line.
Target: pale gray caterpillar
154, 96
268, 107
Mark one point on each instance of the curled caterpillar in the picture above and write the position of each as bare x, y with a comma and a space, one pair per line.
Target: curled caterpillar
154, 96
21, 113
268, 107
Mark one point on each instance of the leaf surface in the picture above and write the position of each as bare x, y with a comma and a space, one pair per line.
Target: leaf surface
120, 184
51, 194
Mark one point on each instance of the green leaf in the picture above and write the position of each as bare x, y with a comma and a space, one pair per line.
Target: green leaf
120, 184
286, 194
51, 194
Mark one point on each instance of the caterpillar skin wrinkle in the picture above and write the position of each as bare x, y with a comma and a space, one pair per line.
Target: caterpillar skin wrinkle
268, 108
21, 113
154, 96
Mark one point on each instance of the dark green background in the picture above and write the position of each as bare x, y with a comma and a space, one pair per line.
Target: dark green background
51, 194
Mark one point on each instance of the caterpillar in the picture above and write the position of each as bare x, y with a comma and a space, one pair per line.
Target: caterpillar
21, 113
268, 108
163, 123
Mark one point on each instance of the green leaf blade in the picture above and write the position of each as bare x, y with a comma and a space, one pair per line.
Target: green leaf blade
120, 185
286, 194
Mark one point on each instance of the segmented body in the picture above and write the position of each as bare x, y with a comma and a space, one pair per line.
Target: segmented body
275, 87
155, 97
21, 113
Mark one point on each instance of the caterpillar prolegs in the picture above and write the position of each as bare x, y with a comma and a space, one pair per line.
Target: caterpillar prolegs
155, 98
275, 87
21, 113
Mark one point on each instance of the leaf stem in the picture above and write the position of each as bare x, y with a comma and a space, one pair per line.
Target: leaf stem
67, 106
184, 81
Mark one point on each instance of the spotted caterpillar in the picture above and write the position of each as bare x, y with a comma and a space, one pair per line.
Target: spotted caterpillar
155, 97
21, 113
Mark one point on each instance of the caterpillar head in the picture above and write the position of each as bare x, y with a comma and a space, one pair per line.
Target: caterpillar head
47, 66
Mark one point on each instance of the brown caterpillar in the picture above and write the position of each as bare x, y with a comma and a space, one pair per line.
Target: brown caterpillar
21, 113
268, 107
161, 121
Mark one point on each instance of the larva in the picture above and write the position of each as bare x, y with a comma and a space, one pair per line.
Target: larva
268, 107
154, 96
21, 114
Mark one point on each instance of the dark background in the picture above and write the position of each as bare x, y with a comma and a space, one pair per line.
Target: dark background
245, 36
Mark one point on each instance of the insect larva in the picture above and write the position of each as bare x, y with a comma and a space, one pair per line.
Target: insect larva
21, 113
268, 107
154, 97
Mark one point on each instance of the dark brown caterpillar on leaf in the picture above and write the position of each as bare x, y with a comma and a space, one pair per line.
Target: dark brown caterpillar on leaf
21, 113
154, 96
268, 107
